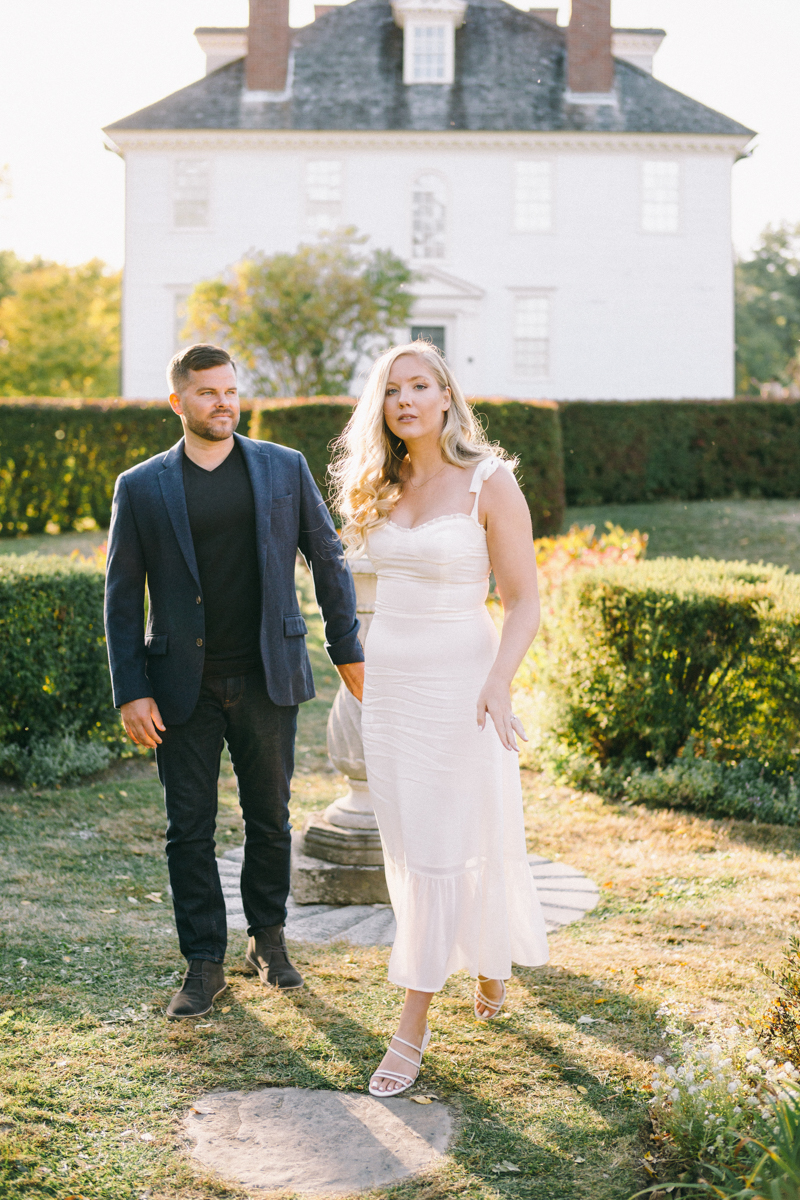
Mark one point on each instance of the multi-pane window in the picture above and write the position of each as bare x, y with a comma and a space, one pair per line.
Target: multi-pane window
429, 53
192, 193
532, 336
429, 333
533, 197
323, 194
660, 196
428, 217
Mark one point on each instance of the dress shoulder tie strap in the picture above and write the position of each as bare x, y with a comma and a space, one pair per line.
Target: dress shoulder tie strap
484, 470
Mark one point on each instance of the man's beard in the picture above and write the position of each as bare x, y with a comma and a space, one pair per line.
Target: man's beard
207, 429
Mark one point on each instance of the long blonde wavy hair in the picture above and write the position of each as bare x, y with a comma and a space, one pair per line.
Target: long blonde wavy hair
367, 459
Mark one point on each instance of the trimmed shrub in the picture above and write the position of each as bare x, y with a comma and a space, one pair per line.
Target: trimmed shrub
528, 429
54, 678
629, 452
643, 662
47, 761
59, 462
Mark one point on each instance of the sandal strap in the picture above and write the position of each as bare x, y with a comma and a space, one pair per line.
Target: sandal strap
404, 1057
397, 1038
495, 1004
395, 1075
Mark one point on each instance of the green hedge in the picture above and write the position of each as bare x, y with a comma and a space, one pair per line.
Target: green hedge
54, 676
629, 452
643, 662
59, 462
527, 429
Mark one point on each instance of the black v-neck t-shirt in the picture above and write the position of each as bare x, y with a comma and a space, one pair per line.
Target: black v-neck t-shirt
222, 518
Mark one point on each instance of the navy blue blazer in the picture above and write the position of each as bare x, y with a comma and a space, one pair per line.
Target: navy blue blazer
150, 543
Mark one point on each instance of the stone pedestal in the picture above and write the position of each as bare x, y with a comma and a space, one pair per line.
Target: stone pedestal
338, 859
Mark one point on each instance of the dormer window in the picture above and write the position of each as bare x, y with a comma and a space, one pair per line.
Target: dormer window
429, 34
428, 53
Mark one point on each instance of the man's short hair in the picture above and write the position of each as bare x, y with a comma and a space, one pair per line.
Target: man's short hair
195, 358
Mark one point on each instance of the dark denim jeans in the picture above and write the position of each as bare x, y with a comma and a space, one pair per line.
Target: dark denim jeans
260, 737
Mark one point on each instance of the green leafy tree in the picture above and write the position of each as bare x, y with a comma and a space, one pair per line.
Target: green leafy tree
59, 329
299, 323
768, 311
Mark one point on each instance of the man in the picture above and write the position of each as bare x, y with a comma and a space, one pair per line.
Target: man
212, 528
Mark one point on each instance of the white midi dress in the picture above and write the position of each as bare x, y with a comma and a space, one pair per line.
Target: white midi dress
447, 795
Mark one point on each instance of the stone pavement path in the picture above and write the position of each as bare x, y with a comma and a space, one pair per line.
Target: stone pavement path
565, 894
316, 1141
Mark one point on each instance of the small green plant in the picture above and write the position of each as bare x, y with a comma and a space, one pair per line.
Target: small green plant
779, 1028
726, 1114
775, 1175
48, 761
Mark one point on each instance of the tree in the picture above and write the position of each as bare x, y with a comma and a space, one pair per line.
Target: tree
299, 323
59, 329
768, 311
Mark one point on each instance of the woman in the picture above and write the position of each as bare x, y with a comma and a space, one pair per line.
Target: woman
421, 494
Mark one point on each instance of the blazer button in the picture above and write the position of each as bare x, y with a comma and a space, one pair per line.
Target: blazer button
199, 599
199, 641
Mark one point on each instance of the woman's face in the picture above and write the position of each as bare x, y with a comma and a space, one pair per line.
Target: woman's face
414, 403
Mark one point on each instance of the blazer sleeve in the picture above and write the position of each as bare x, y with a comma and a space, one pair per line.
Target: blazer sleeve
124, 602
321, 547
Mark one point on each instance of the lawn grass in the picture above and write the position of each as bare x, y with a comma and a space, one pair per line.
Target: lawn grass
95, 1082
753, 530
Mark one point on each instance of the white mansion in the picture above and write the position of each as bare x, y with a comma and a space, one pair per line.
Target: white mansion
567, 214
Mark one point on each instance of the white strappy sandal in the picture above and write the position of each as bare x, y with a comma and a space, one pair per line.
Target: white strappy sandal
496, 1005
399, 1077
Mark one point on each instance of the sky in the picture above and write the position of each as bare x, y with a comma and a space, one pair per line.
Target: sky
67, 69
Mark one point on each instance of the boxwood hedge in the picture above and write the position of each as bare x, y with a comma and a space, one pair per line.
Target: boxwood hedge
647, 661
627, 452
54, 678
528, 429
59, 461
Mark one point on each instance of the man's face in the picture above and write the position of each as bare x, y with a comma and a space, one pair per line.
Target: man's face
209, 404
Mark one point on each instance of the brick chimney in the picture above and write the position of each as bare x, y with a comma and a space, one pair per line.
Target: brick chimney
590, 66
268, 45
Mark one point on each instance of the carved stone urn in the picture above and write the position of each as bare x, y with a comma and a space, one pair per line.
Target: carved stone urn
337, 858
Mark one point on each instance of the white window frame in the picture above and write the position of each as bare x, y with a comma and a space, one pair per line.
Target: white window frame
411, 29
539, 343
323, 197
440, 192
661, 196
534, 194
181, 193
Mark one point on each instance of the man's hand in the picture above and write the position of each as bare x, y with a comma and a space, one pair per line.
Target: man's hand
353, 678
141, 718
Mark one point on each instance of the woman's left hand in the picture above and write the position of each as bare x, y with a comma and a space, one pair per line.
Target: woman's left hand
495, 699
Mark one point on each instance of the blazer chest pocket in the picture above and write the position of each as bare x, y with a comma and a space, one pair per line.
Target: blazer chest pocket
156, 644
281, 501
294, 626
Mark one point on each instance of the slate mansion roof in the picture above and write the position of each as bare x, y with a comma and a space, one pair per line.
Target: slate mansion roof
346, 73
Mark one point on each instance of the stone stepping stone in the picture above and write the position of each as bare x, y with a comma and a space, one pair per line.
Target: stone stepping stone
565, 893
316, 1141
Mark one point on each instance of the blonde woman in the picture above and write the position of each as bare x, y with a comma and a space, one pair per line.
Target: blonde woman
435, 508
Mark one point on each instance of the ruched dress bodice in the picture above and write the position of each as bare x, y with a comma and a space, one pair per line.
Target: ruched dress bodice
447, 796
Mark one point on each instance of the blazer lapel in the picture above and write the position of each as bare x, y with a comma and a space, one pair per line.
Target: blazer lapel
256, 457
171, 480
